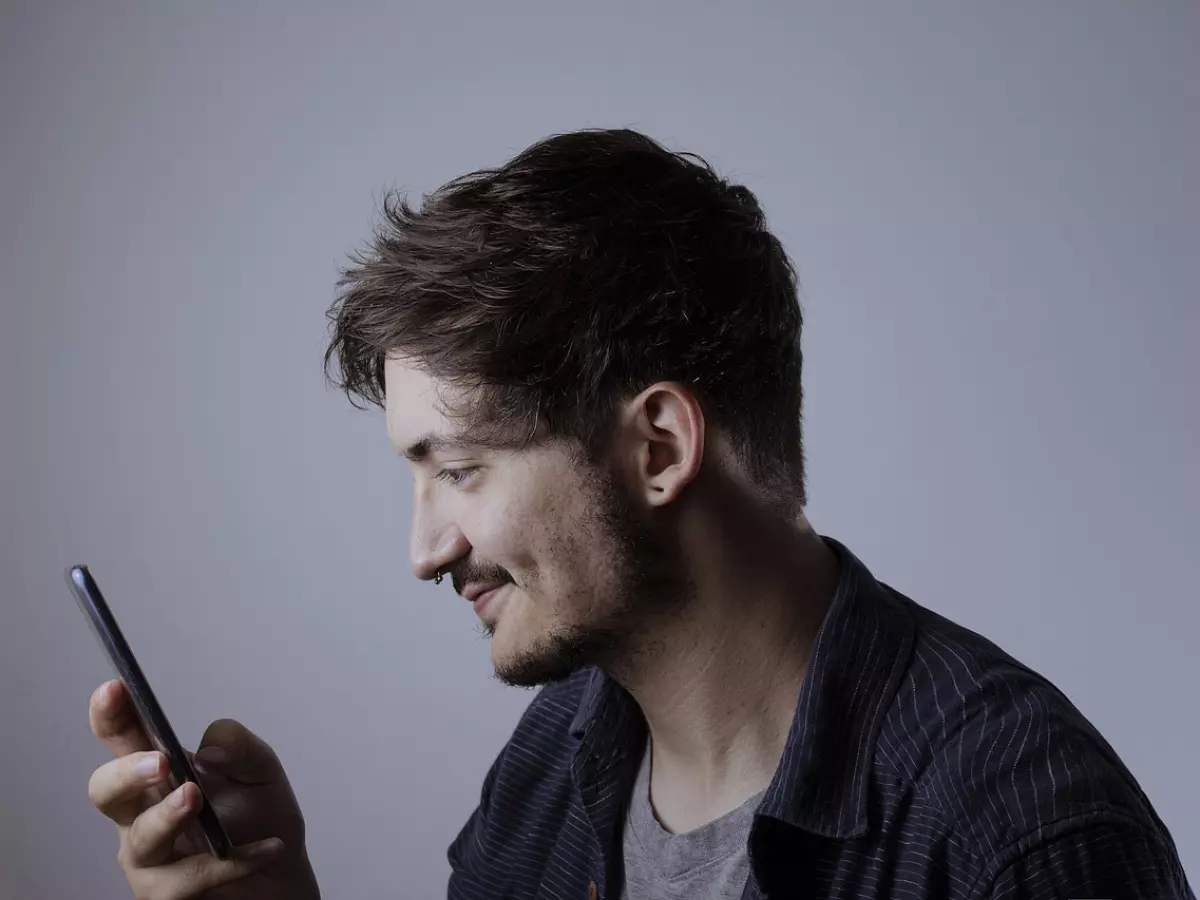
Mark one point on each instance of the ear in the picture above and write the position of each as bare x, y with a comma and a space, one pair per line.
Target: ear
662, 441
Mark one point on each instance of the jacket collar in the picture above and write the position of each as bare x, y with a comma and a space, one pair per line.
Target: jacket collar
860, 654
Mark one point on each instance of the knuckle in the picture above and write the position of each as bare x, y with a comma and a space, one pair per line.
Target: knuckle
109, 784
94, 786
294, 825
152, 885
133, 840
141, 835
195, 868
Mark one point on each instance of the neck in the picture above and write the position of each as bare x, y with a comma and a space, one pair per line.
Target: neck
720, 688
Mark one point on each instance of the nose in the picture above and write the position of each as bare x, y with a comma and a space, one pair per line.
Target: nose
435, 544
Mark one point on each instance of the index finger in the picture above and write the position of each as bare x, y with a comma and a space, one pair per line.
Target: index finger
114, 720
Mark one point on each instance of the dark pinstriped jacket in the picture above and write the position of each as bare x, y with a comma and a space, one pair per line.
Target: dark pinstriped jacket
923, 762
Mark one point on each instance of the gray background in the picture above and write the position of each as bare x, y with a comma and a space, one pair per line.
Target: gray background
995, 220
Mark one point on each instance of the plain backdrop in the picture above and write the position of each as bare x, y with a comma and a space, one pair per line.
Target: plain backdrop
995, 212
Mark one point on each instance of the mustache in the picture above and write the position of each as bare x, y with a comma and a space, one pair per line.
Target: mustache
461, 576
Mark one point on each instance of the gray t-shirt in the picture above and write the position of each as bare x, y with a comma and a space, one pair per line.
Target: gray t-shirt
708, 863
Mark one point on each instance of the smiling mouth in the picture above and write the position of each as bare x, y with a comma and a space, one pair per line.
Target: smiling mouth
486, 599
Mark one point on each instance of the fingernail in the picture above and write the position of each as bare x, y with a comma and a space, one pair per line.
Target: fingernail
178, 797
269, 847
149, 764
211, 756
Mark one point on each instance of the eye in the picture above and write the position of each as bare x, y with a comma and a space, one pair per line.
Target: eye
457, 476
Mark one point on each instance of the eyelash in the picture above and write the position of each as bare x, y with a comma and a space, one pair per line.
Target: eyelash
456, 476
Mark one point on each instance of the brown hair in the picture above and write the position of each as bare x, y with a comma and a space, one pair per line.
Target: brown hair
588, 267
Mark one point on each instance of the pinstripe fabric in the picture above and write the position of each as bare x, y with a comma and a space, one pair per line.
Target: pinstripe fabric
923, 762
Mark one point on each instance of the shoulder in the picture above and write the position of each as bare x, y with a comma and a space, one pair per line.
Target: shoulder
998, 751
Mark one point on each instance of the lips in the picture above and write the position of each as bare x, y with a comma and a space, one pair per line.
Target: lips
484, 599
473, 592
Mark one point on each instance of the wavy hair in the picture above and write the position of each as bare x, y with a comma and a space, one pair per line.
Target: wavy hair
586, 268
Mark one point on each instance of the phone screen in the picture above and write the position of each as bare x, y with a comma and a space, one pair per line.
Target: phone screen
154, 722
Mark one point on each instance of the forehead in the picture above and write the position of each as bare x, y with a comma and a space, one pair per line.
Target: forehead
413, 403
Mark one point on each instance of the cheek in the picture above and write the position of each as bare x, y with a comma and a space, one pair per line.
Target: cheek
502, 534
577, 572
549, 540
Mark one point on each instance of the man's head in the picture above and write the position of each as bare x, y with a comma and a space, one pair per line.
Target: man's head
583, 333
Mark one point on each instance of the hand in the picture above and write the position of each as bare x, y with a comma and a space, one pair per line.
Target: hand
247, 787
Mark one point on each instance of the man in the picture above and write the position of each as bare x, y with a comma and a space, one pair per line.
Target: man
590, 358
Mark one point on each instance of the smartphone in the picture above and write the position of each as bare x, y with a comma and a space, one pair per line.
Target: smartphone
209, 832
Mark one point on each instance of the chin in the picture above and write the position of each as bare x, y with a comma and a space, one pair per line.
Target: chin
531, 662
550, 657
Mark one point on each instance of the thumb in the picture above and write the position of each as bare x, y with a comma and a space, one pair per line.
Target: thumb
233, 750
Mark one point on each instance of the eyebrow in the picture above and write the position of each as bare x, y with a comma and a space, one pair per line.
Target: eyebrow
428, 444
476, 441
